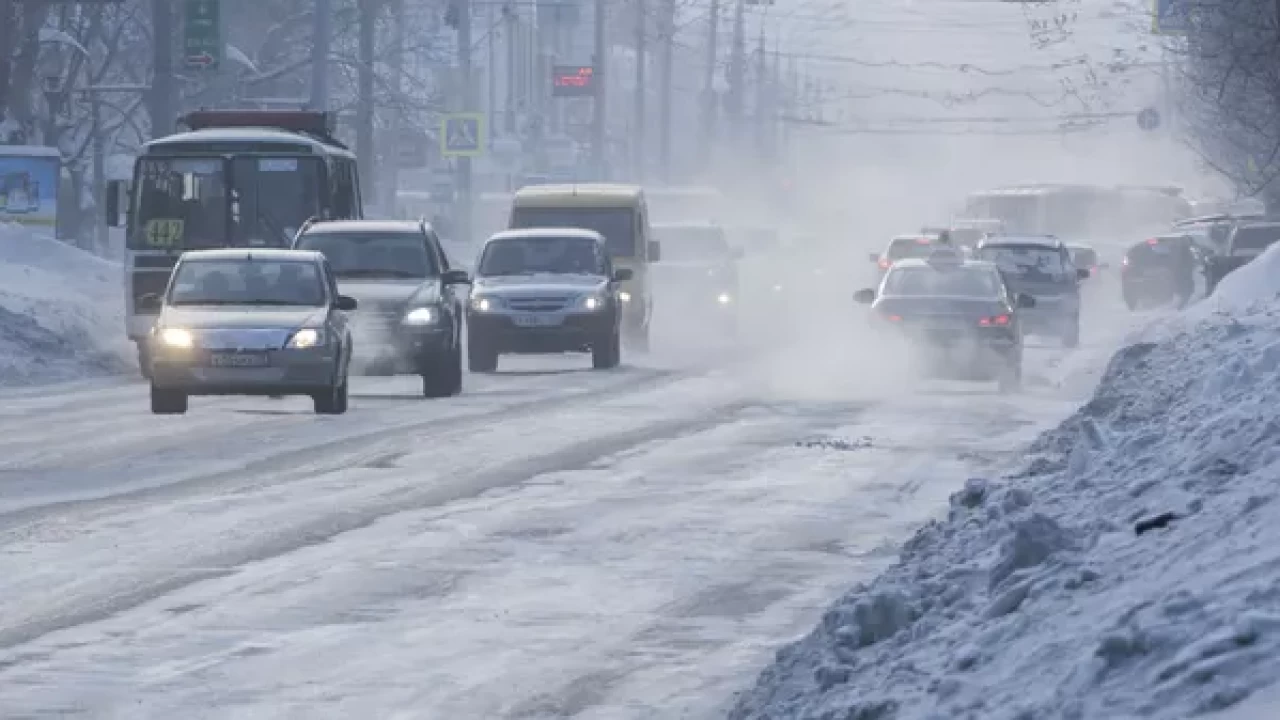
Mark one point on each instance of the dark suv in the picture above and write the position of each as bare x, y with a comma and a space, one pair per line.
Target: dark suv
411, 305
1040, 266
1247, 241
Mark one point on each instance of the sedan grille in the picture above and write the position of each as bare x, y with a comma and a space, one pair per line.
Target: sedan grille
243, 339
538, 304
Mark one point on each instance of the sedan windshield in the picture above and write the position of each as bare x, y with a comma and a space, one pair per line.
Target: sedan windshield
956, 282
247, 282
373, 254
537, 255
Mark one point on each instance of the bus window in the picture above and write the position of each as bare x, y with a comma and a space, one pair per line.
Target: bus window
180, 203
275, 196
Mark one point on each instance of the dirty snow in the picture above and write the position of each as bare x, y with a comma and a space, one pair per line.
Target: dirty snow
60, 311
1036, 597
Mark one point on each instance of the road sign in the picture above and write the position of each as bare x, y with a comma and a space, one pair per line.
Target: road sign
462, 135
202, 34
1171, 17
1149, 119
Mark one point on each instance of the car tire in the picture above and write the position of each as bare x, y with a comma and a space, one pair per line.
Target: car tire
168, 402
446, 378
332, 400
606, 353
481, 358
144, 360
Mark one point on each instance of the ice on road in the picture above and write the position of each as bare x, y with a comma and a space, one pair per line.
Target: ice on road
629, 544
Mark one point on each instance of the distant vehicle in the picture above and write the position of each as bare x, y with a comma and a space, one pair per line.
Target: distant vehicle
239, 178
958, 315
1040, 266
1247, 241
1085, 257
412, 302
619, 213
904, 247
251, 322
1079, 211
684, 204
1158, 270
546, 290
700, 273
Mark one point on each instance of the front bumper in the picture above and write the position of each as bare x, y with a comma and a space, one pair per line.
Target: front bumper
574, 332
406, 349
287, 372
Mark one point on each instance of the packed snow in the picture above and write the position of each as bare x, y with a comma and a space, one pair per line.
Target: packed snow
61, 311
1125, 567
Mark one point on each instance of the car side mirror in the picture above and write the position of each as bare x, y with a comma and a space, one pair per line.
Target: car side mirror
864, 297
874, 257
345, 303
113, 190
456, 277
655, 251
623, 274
1083, 273
1025, 301
150, 302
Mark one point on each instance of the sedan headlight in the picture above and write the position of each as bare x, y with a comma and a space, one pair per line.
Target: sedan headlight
422, 316
306, 338
177, 338
724, 298
592, 302
624, 296
484, 304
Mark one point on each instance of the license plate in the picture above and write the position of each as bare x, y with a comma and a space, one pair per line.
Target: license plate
533, 321
239, 359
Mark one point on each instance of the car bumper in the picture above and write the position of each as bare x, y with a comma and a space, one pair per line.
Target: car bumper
1049, 318
407, 350
573, 333
288, 372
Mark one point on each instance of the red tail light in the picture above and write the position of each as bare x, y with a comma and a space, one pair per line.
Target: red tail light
894, 318
1153, 241
922, 241
997, 321
884, 264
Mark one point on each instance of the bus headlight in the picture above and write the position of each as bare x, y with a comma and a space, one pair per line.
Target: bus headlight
177, 338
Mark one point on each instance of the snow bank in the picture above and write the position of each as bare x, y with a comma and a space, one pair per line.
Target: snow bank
61, 311
1037, 596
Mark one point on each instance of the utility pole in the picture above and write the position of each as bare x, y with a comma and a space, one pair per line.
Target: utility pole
162, 110
762, 98
392, 170
638, 132
710, 104
466, 103
511, 24
600, 69
737, 72
365, 100
321, 37
490, 69
665, 65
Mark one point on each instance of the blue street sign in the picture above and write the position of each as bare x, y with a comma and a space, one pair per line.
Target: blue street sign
1171, 17
1149, 119
462, 135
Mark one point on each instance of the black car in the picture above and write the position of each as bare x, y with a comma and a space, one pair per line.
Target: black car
544, 291
699, 274
1040, 266
1158, 270
411, 301
1246, 241
959, 316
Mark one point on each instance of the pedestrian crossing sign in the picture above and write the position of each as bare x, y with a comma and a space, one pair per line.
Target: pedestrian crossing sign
462, 135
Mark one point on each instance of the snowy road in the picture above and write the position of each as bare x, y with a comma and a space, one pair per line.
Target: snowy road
554, 543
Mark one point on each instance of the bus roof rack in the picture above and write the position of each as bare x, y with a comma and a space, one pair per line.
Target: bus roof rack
316, 123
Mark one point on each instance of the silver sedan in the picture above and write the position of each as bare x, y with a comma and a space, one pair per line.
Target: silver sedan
251, 322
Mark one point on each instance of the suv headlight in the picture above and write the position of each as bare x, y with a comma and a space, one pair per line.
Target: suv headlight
484, 304
422, 316
591, 302
624, 296
177, 338
306, 338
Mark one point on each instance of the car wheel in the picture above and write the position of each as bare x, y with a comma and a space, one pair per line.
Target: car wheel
606, 352
144, 360
480, 358
1071, 338
445, 379
168, 402
332, 400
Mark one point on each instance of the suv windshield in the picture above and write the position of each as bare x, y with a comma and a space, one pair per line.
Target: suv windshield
904, 248
247, 282
538, 255
955, 282
617, 225
373, 254
693, 244
1033, 263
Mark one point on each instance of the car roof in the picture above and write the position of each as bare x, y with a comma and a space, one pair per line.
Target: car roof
369, 226
246, 254
594, 194
1079, 246
1044, 241
924, 263
546, 232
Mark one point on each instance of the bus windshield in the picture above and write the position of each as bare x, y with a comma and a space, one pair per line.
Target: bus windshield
186, 203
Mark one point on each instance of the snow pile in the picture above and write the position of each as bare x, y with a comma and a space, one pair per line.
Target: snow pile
61, 311
1127, 568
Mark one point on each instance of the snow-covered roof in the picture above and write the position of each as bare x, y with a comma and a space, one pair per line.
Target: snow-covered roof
253, 135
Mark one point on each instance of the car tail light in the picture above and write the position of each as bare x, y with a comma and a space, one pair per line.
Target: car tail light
884, 263
894, 318
1153, 241
922, 241
995, 321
